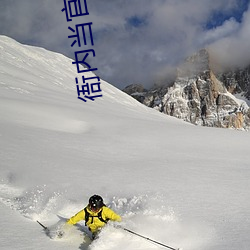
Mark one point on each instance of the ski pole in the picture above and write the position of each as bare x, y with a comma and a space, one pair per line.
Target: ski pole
146, 238
45, 228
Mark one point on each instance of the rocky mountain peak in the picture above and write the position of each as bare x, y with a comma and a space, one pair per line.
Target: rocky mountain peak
202, 97
196, 64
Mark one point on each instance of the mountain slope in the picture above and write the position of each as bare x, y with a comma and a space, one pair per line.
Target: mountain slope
182, 185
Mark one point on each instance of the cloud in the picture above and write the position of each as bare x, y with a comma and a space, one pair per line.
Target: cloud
34, 22
170, 31
233, 49
136, 41
228, 28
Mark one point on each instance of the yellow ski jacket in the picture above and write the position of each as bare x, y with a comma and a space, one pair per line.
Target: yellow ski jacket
94, 223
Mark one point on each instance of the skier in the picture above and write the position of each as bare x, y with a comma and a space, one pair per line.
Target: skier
95, 214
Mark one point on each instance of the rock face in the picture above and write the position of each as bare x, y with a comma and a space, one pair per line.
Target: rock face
237, 81
136, 90
201, 97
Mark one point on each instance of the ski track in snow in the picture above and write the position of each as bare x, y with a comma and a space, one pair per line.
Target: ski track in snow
145, 214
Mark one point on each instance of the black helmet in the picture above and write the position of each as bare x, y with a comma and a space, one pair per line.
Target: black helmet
96, 202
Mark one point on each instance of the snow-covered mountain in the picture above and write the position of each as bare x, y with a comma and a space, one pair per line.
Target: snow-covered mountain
201, 95
182, 185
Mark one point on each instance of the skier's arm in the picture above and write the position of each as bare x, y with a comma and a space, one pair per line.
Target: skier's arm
110, 214
77, 217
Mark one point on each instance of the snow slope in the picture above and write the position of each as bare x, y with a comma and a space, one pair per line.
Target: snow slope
176, 183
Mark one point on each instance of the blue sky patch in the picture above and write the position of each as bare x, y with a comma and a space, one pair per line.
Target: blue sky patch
136, 21
219, 17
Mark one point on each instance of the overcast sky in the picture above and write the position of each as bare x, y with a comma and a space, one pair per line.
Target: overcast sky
135, 41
